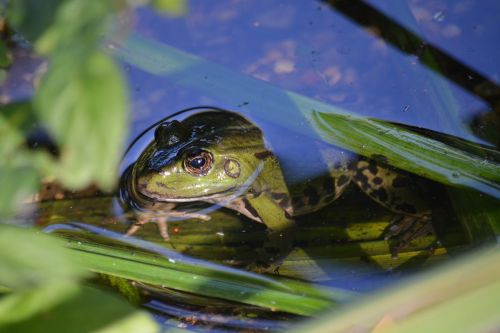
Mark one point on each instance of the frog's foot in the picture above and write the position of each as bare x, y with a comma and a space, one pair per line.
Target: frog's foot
268, 259
262, 267
142, 220
161, 221
405, 229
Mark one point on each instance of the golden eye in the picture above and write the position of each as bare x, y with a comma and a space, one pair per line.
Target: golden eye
198, 162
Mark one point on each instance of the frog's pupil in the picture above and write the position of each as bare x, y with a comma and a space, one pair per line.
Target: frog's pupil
197, 163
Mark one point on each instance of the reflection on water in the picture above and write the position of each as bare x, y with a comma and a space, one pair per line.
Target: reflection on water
308, 48
314, 50
311, 49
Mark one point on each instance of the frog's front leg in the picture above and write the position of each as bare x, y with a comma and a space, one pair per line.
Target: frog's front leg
160, 217
401, 193
281, 226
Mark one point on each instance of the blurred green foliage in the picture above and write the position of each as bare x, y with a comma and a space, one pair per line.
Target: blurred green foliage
81, 100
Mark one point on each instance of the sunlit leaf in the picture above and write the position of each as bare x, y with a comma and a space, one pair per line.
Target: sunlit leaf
18, 174
4, 56
22, 304
89, 310
17, 184
171, 7
169, 269
84, 107
76, 28
460, 297
39, 274
16, 120
41, 258
82, 97
31, 18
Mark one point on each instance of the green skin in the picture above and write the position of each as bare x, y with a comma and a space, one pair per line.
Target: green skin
220, 157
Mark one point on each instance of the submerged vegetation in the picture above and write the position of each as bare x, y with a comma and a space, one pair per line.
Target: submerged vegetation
72, 130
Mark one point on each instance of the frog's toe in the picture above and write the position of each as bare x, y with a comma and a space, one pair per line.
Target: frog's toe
404, 229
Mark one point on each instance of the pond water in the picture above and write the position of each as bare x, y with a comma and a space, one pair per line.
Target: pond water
286, 67
316, 50
429, 65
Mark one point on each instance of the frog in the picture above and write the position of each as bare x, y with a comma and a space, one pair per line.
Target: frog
221, 157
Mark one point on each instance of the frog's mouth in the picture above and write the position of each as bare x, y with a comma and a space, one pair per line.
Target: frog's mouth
224, 196
162, 197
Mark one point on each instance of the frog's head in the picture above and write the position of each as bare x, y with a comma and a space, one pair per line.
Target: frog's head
206, 156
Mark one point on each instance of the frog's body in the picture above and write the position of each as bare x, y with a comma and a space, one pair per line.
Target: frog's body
220, 157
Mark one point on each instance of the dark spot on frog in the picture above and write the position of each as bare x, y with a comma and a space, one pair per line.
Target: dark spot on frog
405, 208
297, 202
254, 193
277, 196
250, 208
312, 195
401, 182
342, 180
377, 180
379, 194
282, 198
372, 167
380, 158
361, 180
263, 154
329, 185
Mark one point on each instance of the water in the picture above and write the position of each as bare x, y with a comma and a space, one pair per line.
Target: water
334, 59
343, 56
312, 49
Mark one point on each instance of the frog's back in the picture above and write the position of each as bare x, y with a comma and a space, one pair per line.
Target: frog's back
311, 191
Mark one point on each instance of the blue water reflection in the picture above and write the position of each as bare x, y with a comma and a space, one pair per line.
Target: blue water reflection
311, 49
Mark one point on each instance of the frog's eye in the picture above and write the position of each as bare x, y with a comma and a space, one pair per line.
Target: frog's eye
198, 162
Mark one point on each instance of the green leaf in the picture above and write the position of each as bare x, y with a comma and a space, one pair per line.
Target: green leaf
410, 151
16, 120
76, 28
39, 274
171, 7
40, 259
89, 310
172, 270
23, 304
84, 107
82, 99
17, 184
459, 297
5, 59
18, 171
31, 18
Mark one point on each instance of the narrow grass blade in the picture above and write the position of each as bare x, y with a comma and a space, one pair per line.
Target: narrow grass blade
190, 275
